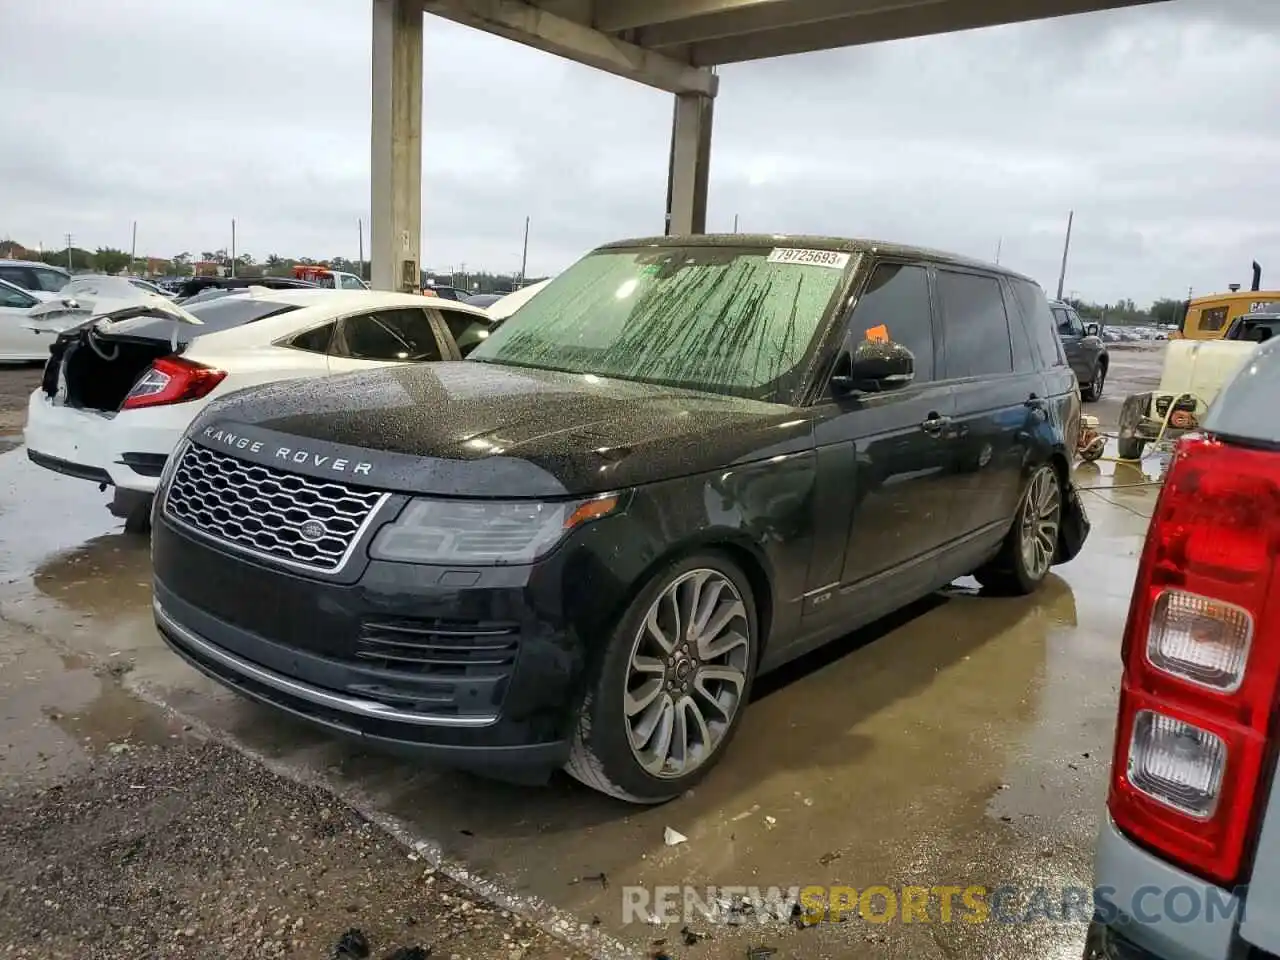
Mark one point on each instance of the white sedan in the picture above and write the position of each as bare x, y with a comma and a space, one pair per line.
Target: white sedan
120, 389
17, 342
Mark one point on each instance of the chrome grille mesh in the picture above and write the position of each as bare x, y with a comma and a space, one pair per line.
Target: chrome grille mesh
296, 519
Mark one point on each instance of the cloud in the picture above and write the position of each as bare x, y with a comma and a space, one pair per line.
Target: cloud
1156, 124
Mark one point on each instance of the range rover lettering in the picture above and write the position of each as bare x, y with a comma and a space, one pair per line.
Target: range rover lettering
684, 463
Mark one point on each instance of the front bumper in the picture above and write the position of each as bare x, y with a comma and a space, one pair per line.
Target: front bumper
124, 450
483, 677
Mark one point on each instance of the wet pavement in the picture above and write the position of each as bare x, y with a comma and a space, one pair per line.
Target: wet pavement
963, 742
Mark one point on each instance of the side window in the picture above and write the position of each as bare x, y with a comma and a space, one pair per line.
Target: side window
466, 329
1063, 321
1214, 318
1024, 359
396, 336
351, 283
977, 328
316, 340
1041, 323
16, 299
896, 301
1077, 325
16, 275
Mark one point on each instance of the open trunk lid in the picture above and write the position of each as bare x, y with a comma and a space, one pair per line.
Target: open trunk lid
97, 360
68, 313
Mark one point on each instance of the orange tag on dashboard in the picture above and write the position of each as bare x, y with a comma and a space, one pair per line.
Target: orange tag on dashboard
878, 334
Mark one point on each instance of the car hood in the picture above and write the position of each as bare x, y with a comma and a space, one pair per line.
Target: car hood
479, 429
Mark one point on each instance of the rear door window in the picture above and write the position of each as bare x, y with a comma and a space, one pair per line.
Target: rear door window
19, 276
1040, 321
975, 324
396, 336
896, 305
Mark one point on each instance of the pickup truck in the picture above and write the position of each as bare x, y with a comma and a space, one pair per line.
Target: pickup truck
1188, 859
1194, 373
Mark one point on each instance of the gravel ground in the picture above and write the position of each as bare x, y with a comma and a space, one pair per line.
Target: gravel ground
192, 850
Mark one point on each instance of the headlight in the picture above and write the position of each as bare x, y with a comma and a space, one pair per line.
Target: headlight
483, 531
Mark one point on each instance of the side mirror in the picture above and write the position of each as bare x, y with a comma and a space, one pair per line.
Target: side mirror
1092, 329
872, 367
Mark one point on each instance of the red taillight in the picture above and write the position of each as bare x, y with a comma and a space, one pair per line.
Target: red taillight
172, 380
1201, 660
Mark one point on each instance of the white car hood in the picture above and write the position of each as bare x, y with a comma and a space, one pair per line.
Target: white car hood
69, 313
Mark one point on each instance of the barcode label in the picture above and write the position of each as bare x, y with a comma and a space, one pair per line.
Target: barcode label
813, 258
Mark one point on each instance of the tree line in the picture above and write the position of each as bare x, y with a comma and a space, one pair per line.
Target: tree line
185, 264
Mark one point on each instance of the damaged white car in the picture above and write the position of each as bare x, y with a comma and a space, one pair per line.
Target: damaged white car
119, 389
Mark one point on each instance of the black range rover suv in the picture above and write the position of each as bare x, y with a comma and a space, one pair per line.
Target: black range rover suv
686, 461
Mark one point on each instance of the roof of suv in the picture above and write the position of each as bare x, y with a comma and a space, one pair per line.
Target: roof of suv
33, 263
839, 244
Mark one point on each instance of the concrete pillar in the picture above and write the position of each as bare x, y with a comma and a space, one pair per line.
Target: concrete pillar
690, 164
396, 231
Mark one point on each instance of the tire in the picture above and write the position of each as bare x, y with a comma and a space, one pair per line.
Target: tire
1130, 448
1093, 392
138, 521
1016, 571
602, 755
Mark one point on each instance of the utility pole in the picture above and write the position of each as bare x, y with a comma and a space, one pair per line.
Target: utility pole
735, 223
133, 248
524, 255
68, 253
233, 246
1066, 248
999, 248
360, 228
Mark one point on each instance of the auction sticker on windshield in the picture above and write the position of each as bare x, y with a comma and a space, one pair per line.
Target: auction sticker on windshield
815, 258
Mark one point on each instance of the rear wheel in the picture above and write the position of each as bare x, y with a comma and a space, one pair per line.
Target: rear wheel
1029, 547
673, 684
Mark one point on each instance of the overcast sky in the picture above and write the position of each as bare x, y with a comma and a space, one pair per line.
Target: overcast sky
1160, 125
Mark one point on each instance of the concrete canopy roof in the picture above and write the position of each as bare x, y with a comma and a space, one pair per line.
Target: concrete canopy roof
670, 44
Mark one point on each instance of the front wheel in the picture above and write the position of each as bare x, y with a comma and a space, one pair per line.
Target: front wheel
673, 684
1094, 390
1028, 549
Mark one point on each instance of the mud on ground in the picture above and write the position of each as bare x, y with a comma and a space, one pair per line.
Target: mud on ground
190, 850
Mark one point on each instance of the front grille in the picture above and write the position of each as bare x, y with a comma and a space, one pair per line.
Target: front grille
439, 648
295, 519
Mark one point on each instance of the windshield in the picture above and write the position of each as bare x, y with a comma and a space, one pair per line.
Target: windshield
50, 281
731, 320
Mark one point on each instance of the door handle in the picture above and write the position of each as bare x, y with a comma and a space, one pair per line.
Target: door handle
935, 425
1034, 402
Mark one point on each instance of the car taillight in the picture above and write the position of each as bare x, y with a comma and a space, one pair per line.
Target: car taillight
1201, 660
172, 380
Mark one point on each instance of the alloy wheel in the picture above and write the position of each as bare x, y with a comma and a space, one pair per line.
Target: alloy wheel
687, 673
1041, 514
